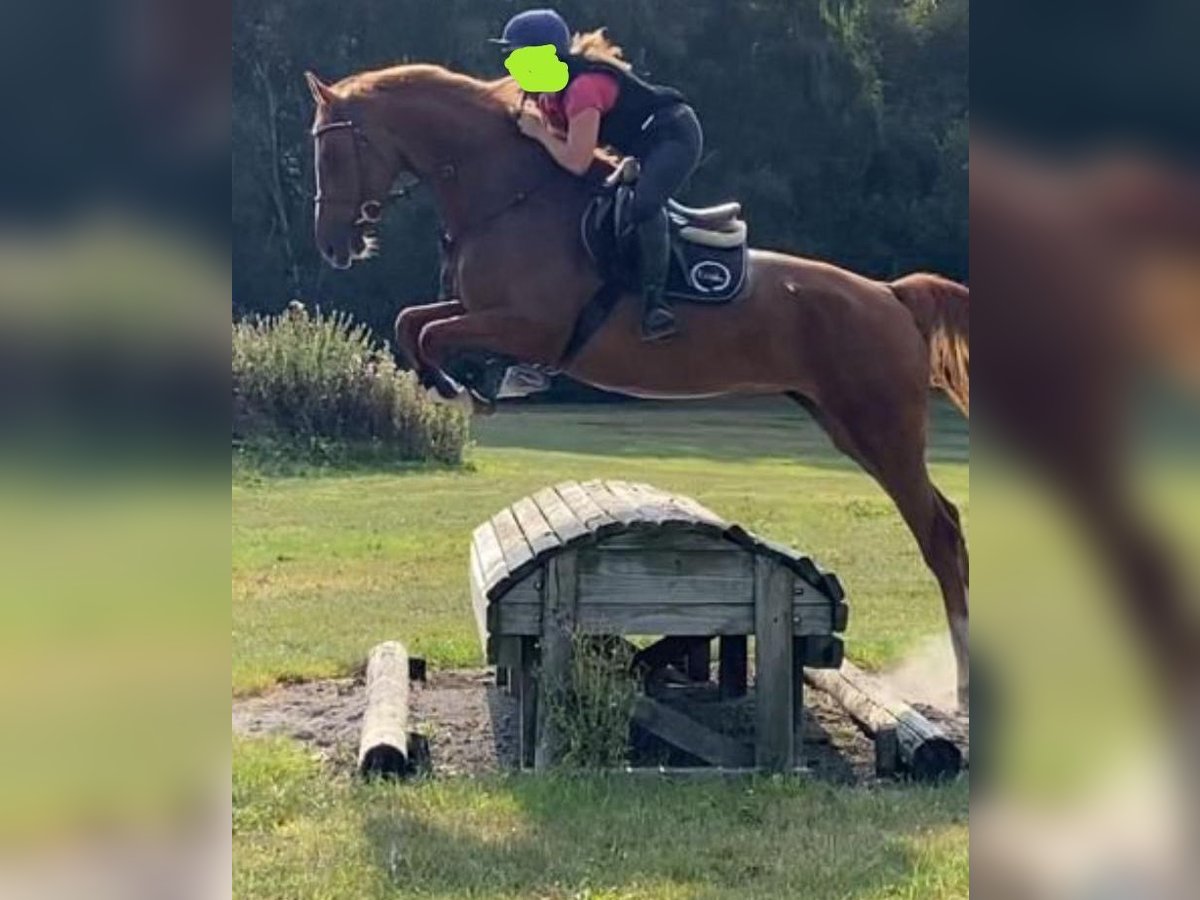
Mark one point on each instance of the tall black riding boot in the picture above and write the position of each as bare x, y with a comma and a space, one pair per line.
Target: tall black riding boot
654, 249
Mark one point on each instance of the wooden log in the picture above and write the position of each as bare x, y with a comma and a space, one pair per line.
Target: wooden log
924, 750
731, 672
682, 731
383, 748
774, 586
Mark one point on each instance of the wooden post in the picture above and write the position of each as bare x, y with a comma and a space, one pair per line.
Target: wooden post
699, 659
731, 672
383, 747
773, 692
560, 599
798, 760
524, 678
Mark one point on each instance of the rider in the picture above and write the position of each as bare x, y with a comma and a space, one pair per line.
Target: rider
605, 103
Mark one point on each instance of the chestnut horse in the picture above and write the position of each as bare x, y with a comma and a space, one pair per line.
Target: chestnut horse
859, 354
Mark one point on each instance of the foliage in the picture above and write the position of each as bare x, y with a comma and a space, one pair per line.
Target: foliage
841, 125
593, 710
320, 387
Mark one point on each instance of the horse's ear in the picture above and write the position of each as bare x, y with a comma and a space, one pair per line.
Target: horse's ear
321, 92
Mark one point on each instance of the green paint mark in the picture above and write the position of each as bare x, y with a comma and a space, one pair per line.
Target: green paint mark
537, 69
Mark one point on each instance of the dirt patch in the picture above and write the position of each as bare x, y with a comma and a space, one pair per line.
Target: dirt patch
472, 726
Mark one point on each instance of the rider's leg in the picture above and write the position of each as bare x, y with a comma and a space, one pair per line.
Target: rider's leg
665, 166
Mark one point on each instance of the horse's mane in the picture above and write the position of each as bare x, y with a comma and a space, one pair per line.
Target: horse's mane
497, 97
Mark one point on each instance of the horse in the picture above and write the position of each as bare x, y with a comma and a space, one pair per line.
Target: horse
859, 354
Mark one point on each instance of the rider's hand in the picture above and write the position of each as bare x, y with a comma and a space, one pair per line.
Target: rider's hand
530, 123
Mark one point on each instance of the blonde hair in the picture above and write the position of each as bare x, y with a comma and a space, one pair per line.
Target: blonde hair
596, 45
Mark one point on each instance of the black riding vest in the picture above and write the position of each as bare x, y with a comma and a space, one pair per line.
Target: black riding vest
621, 126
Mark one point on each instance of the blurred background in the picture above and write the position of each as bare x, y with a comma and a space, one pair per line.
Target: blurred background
1085, 267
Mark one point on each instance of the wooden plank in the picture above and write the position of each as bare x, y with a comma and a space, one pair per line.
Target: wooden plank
539, 533
925, 751
617, 508
812, 618
693, 509
518, 555
773, 690
652, 507
558, 631
692, 537
567, 527
525, 676
689, 735
479, 600
666, 590
698, 621
797, 703
731, 667
383, 747
512, 619
585, 509
716, 564
491, 557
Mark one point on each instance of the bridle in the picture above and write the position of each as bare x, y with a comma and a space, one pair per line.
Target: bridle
371, 210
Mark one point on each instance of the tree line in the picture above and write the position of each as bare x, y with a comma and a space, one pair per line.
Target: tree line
841, 125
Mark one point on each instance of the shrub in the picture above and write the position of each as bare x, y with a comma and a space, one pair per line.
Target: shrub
320, 386
593, 709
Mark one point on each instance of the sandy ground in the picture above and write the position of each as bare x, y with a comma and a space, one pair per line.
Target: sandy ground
472, 726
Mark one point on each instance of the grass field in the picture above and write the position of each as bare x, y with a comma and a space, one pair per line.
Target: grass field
327, 564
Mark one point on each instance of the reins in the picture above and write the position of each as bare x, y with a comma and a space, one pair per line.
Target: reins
446, 171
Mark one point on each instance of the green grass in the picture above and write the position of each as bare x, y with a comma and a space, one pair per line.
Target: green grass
299, 833
326, 565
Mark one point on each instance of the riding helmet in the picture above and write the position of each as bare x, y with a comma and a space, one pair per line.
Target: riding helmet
536, 27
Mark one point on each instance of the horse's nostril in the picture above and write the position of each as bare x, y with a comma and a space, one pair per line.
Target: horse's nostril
372, 211
329, 251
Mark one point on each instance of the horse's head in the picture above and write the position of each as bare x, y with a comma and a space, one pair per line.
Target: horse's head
355, 165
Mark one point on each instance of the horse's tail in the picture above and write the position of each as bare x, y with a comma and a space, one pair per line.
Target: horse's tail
941, 309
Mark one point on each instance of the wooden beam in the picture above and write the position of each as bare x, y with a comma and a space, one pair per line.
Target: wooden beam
561, 598
774, 742
525, 685
699, 659
684, 732
925, 751
731, 669
383, 747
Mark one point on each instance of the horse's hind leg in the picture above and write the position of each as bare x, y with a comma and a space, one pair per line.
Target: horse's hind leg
409, 324
890, 446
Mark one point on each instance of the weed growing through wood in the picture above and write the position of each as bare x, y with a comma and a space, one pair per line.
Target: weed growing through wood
593, 709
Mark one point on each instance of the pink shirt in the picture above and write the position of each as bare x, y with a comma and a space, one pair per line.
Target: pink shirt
591, 90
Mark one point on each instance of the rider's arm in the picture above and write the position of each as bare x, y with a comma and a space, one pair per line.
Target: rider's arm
576, 151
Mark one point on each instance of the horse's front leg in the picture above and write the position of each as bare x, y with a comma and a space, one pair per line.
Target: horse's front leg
501, 333
409, 325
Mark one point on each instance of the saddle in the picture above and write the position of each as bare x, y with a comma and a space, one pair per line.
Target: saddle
708, 246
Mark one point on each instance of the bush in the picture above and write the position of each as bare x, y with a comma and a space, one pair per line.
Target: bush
321, 387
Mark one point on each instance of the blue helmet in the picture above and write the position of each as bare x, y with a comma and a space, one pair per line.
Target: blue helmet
536, 27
